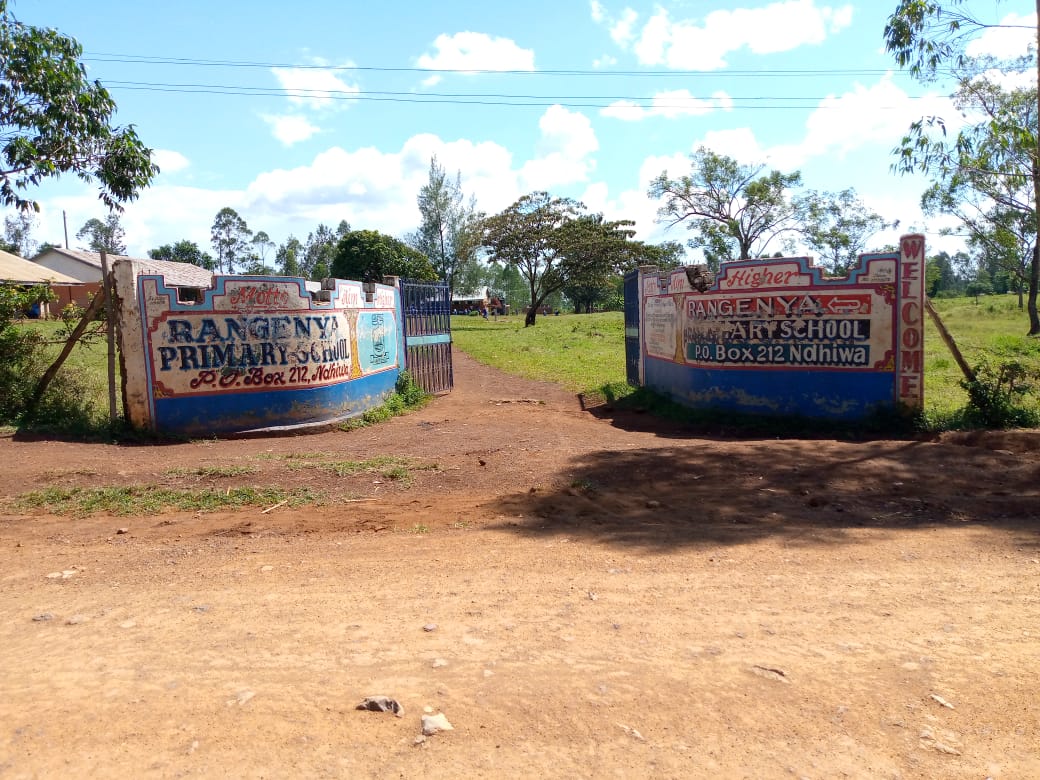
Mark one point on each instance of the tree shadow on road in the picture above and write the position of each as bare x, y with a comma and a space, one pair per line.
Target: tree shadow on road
811, 492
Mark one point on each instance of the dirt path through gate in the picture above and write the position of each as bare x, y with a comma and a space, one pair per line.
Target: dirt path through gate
581, 596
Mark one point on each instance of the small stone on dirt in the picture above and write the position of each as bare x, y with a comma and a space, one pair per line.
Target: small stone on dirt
382, 704
771, 674
632, 732
42, 617
438, 663
653, 504
431, 724
122, 530
429, 627
75, 620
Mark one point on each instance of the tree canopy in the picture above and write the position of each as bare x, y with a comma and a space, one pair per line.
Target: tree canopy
54, 121
107, 235
449, 233
184, 251
18, 229
988, 174
231, 239
736, 210
553, 242
368, 256
837, 226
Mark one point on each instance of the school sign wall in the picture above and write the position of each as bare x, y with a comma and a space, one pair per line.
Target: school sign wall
778, 337
254, 352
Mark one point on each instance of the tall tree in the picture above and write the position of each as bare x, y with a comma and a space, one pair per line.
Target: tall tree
230, 235
261, 244
926, 36
527, 236
184, 251
288, 257
18, 230
449, 233
54, 120
736, 209
318, 253
368, 256
666, 255
108, 235
553, 242
838, 227
595, 249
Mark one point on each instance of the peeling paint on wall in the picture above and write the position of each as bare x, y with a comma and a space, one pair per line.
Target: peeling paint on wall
777, 336
254, 352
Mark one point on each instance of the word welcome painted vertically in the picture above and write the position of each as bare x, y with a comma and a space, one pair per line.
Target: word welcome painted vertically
778, 336
261, 352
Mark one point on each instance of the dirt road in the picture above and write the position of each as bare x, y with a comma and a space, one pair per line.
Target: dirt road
580, 596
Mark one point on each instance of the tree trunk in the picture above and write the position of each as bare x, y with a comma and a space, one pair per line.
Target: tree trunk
1034, 268
1034, 283
532, 310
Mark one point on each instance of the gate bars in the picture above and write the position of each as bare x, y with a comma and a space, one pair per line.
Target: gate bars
426, 310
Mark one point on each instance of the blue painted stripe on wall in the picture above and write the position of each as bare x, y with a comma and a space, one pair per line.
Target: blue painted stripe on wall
840, 395
422, 341
227, 412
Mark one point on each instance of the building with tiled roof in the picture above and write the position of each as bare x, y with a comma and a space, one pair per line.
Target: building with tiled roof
16, 270
86, 266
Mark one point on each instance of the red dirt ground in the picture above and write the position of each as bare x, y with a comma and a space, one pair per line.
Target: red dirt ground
608, 596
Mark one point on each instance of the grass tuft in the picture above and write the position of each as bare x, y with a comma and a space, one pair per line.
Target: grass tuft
151, 499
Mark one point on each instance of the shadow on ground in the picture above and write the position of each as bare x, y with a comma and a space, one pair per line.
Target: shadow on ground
806, 491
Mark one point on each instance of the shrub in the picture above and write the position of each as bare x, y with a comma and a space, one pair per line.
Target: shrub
69, 403
996, 395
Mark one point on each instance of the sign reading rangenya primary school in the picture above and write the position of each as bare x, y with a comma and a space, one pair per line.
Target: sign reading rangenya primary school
778, 336
254, 352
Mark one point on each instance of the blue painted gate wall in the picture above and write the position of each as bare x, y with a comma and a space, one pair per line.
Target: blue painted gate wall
889, 288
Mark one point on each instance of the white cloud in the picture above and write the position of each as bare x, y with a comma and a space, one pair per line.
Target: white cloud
622, 31
376, 189
314, 88
881, 113
369, 187
597, 10
467, 51
670, 105
634, 204
163, 214
692, 45
564, 152
1013, 38
169, 161
290, 129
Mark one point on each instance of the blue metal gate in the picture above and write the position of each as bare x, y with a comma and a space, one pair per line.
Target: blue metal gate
632, 348
426, 308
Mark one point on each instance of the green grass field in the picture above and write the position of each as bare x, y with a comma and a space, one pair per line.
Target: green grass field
585, 352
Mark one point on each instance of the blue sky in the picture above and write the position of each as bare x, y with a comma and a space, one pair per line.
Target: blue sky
300, 113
